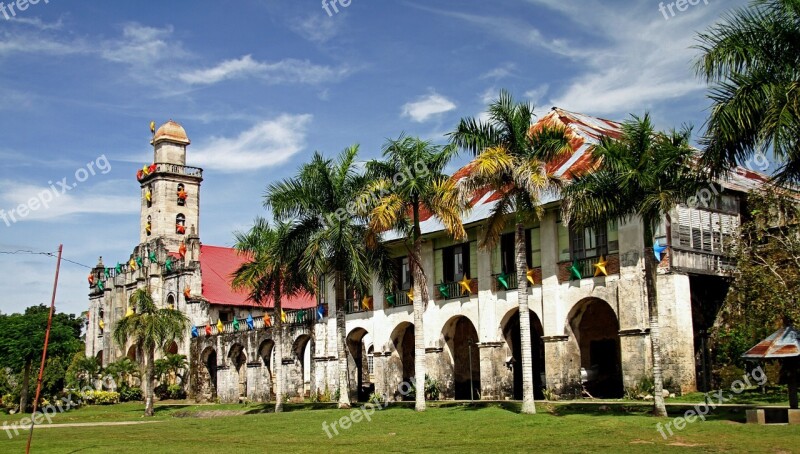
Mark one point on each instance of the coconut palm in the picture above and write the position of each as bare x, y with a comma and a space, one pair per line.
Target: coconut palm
271, 272
171, 366
511, 160
410, 179
332, 233
642, 175
122, 371
751, 60
149, 328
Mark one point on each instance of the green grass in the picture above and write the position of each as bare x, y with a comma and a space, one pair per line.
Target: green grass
449, 427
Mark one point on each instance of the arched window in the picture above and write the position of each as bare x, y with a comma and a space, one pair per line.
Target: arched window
171, 301
182, 195
148, 227
148, 195
180, 224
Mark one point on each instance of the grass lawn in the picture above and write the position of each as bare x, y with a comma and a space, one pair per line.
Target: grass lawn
450, 427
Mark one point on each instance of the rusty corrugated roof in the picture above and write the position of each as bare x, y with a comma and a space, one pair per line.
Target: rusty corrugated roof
784, 343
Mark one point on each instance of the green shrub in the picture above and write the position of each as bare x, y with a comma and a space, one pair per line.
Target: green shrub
100, 397
130, 394
10, 403
162, 391
176, 392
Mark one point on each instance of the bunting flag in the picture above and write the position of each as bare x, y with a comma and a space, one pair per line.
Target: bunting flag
132, 264
529, 275
658, 250
235, 324
320, 312
101, 285
283, 316
90, 279
152, 257
118, 268
600, 267
139, 174
366, 303
391, 299
146, 170
182, 195
465, 285
153, 168
444, 290
194, 332
220, 327
130, 312
267, 320
168, 265
301, 316
180, 229
251, 324
139, 262
187, 293
503, 280
107, 273
182, 249
101, 324
208, 329
410, 295
575, 271
152, 127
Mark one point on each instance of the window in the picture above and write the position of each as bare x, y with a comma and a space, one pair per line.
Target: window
404, 279
148, 227
370, 361
171, 301
533, 250
148, 195
321, 289
182, 195
180, 224
591, 242
456, 262
704, 230
226, 316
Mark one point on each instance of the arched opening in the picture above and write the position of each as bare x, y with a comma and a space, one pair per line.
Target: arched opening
133, 353
461, 340
182, 195
148, 196
400, 366
358, 343
100, 358
172, 348
512, 334
266, 353
302, 353
238, 360
180, 224
596, 330
148, 227
171, 301
208, 374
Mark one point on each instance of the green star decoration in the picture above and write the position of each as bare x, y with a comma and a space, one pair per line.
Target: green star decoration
168, 265
575, 271
503, 280
443, 290
107, 273
101, 286
118, 268
390, 299
139, 262
152, 257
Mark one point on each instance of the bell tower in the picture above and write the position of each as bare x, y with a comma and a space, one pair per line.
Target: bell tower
170, 189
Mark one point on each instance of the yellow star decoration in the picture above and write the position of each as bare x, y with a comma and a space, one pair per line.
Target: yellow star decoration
366, 302
465, 285
600, 267
529, 275
132, 264
410, 295
102, 324
220, 326
130, 312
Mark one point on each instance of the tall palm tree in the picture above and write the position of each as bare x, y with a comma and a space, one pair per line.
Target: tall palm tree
645, 175
271, 273
149, 328
171, 366
751, 60
511, 159
122, 371
410, 179
319, 201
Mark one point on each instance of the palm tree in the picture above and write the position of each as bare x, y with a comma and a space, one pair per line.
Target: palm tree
751, 60
271, 272
645, 175
327, 223
412, 178
511, 159
122, 371
171, 366
149, 328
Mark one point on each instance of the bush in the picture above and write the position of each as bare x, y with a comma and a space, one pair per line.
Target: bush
10, 403
176, 392
100, 397
162, 391
130, 394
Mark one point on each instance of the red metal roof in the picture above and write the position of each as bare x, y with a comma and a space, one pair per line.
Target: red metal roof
217, 265
784, 343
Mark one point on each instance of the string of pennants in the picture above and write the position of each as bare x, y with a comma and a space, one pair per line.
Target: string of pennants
132, 265
298, 317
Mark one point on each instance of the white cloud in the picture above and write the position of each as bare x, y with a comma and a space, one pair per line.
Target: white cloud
143, 46
500, 72
267, 144
535, 95
284, 71
317, 28
55, 205
229, 69
427, 107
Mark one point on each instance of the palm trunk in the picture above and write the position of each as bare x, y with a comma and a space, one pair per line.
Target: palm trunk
420, 283
26, 379
650, 280
149, 373
528, 405
277, 331
341, 342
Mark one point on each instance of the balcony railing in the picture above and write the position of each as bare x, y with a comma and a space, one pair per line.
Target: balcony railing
454, 290
176, 169
356, 306
703, 261
399, 299
508, 282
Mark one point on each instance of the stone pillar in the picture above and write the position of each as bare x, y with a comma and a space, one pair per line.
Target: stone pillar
677, 331
497, 381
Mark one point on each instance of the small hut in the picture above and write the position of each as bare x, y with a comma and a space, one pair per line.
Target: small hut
784, 346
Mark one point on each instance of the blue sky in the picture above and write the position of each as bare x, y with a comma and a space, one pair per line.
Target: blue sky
260, 85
